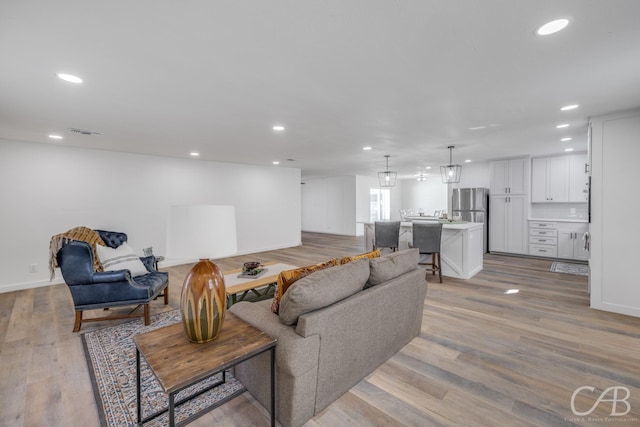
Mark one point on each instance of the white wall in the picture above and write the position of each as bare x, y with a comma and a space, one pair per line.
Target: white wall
430, 195
614, 248
475, 175
329, 205
47, 189
363, 206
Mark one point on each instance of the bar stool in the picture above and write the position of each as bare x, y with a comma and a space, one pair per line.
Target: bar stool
427, 238
387, 235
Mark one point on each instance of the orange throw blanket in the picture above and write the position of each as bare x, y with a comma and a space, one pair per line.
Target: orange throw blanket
83, 234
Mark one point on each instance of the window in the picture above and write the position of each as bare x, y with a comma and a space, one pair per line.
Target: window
379, 204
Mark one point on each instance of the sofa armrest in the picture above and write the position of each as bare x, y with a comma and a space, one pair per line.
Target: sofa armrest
295, 355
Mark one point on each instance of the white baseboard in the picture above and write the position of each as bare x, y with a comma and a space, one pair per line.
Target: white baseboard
166, 263
29, 285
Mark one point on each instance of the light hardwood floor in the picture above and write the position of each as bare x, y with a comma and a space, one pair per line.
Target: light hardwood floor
483, 358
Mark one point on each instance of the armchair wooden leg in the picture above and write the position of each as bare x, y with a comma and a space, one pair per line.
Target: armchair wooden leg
166, 295
147, 321
76, 325
439, 267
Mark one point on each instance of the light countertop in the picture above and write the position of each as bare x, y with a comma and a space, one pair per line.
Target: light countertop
578, 220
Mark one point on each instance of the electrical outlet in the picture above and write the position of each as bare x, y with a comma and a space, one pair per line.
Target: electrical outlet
33, 268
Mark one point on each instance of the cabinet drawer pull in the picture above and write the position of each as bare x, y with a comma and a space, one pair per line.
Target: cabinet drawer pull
542, 240
542, 250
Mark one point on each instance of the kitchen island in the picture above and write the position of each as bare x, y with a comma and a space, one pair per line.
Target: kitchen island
461, 249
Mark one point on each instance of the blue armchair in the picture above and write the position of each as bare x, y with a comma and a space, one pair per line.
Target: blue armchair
91, 289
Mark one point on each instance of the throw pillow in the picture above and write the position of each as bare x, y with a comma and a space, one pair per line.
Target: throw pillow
323, 288
392, 265
289, 277
121, 258
372, 254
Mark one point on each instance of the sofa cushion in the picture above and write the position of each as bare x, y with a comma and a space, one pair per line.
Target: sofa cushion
323, 288
289, 277
121, 258
392, 265
372, 254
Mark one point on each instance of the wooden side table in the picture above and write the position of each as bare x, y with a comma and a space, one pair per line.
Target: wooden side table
178, 363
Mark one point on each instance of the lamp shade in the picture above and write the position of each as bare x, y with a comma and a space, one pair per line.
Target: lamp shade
451, 173
201, 232
387, 179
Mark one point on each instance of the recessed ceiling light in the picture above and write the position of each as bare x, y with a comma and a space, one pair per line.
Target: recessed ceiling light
569, 107
477, 128
565, 139
564, 125
568, 149
55, 137
511, 291
428, 167
278, 128
276, 162
194, 154
366, 148
467, 161
552, 27
69, 78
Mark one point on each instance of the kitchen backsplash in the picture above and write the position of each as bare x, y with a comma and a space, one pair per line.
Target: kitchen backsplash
577, 211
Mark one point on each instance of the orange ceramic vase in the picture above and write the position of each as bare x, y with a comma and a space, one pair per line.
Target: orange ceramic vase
203, 302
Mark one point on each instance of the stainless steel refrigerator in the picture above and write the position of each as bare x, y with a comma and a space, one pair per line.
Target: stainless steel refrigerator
472, 204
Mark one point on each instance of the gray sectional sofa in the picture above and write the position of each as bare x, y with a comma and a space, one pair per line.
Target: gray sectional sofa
334, 327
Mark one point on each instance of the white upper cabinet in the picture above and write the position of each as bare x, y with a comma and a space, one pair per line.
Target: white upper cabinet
558, 179
550, 179
510, 176
578, 187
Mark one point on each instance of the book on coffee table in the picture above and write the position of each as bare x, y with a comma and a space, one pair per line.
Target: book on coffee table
252, 274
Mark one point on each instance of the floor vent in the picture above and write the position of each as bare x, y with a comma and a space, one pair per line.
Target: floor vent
84, 131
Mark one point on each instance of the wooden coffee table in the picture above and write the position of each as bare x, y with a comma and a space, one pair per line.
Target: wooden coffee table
178, 363
239, 288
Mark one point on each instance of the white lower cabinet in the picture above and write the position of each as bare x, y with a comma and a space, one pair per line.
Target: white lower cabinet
570, 241
557, 239
508, 224
543, 238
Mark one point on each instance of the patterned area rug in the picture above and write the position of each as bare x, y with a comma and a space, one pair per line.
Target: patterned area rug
111, 358
570, 268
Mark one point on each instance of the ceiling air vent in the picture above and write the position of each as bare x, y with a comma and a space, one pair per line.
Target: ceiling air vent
83, 131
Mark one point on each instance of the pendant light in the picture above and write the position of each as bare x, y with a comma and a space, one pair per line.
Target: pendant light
451, 173
387, 178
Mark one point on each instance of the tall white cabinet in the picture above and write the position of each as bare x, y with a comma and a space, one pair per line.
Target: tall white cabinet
508, 206
510, 176
615, 248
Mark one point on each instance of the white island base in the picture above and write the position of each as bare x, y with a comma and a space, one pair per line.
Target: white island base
461, 249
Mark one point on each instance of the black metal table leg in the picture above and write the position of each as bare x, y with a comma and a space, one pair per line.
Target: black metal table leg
172, 410
273, 386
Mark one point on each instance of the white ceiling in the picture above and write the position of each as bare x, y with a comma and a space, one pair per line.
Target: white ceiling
406, 77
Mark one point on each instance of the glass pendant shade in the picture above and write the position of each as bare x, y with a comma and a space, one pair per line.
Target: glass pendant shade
387, 178
451, 173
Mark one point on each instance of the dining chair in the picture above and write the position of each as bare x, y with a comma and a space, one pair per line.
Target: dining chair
427, 237
387, 235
